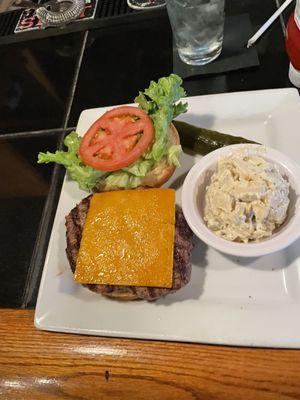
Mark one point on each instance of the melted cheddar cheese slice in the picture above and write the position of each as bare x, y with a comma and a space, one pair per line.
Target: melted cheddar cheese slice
128, 239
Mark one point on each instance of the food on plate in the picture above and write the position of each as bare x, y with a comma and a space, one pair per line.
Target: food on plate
203, 141
247, 198
118, 138
130, 244
128, 147
138, 227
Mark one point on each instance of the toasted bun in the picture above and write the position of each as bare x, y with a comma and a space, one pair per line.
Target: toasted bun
159, 175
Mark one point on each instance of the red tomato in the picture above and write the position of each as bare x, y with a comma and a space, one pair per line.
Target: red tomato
117, 139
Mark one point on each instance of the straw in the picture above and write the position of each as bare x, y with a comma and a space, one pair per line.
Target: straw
268, 23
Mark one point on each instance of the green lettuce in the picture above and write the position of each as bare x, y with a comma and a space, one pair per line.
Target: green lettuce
140, 168
129, 177
161, 102
123, 179
86, 177
173, 155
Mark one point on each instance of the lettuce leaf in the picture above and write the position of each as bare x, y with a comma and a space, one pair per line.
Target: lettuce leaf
86, 177
161, 102
173, 155
123, 179
140, 168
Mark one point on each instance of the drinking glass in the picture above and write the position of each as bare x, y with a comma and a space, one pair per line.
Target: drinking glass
197, 27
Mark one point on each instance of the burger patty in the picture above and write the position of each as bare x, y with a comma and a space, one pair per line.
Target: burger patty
183, 247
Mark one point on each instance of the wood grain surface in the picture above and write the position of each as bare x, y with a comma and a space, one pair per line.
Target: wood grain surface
45, 365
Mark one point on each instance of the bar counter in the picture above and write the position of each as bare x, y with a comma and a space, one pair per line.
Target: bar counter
46, 365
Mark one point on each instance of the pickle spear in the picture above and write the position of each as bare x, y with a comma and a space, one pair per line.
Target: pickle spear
203, 141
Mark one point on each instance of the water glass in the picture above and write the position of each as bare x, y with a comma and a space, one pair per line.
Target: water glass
197, 28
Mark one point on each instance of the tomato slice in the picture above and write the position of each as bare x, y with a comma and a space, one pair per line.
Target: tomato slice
117, 139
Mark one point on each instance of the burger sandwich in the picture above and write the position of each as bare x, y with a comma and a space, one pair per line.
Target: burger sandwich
122, 243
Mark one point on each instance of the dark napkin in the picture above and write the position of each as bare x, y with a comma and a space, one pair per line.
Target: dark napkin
234, 56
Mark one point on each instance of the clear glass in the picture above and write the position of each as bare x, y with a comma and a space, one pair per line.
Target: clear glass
198, 29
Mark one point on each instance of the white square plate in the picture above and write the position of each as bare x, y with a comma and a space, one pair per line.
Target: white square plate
246, 302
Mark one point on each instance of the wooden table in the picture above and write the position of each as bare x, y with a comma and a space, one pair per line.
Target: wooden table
44, 365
